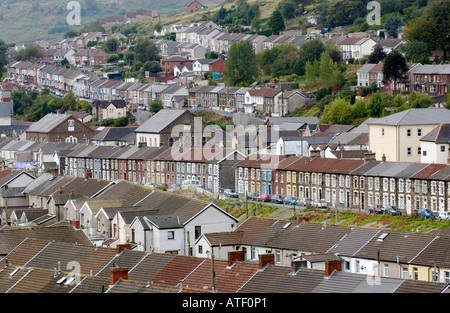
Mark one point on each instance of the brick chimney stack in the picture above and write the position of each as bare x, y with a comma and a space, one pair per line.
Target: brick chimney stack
118, 272
234, 256
265, 259
330, 266
121, 247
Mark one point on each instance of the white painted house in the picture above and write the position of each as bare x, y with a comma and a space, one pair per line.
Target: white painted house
292, 146
176, 226
435, 145
161, 234
356, 48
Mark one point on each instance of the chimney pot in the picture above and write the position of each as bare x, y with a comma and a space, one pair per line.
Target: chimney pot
383, 158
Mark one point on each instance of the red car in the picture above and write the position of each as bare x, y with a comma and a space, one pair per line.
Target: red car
264, 198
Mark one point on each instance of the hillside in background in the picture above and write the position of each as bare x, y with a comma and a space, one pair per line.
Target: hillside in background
23, 21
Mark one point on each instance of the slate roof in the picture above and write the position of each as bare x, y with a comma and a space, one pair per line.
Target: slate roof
298, 237
278, 279
172, 204
48, 122
417, 116
33, 263
396, 246
164, 221
353, 241
11, 237
439, 135
128, 192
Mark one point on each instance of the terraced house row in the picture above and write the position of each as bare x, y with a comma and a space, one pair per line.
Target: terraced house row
38, 266
152, 165
345, 183
376, 252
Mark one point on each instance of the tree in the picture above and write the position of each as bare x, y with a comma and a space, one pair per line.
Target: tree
151, 66
211, 55
145, 50
70, 33
433, 28
111, 45
3, 58
256, 24
419, 100
241, 66
288, 8
65, 63
375, 105
155, 106
339, 111
312, 50
276, 22
392, 24
417, 52
447, 101
395, 69
31, 52
377, 55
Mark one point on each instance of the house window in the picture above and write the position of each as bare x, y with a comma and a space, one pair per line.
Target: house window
419, 132
197, 231
382, 132
278, 256
442, 148
408, 132
386, 270
404, 272
415, 273
347, 266
409, 151
170, 235
133, 238
200, 249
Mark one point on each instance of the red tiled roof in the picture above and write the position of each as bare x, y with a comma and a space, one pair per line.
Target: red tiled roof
428, 171
228, 279
338, 166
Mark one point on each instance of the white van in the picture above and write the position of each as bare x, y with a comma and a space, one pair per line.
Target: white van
191, 182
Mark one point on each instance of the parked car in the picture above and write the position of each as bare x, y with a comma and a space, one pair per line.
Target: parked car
376, 209
307, 201
320, 204
425, 213
276, 199
264, 198
290, 200
173, 186
230, 193
443, 216
253, 196
393, 210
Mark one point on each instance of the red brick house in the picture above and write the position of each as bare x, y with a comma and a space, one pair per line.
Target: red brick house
432, 79
90, 57
217, 66
194, 6
168, 64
